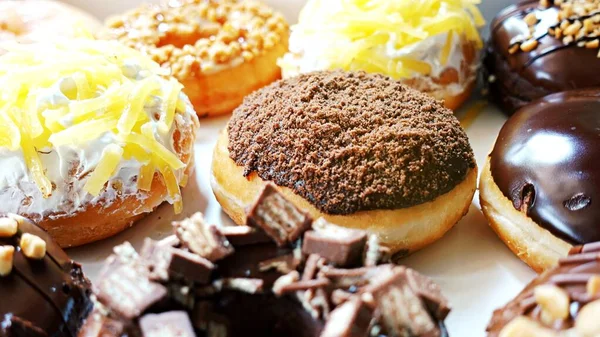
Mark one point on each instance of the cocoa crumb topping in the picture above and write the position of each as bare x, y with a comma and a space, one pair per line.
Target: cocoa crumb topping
348, 142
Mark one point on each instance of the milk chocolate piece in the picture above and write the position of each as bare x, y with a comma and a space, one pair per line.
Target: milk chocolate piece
190, 266
277, 217
351, 319
168, 324
202, 238
403, 313
341, 246
429, 292
244, 235
156, 258
552, 145
128, 291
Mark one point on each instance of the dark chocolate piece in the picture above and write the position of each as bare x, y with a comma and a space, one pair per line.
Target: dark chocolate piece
244, 235
573, 279
350, 141
552, 145
168, 324
341, 246
278, 217
351, 319
54, 286
128, 291
518, 78
202, 238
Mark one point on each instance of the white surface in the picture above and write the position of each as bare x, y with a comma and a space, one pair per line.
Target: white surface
476, 271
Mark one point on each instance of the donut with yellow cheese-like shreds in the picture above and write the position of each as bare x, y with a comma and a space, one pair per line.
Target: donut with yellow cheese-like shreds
93, 135
429, 45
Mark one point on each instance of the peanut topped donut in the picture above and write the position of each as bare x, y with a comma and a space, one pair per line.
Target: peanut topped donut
92, 137
362, 150
220, 50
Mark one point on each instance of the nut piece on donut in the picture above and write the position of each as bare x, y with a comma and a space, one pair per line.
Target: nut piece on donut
361, 150
92, 137
564, 301
43, 20
441, 58
541, 181
220, 50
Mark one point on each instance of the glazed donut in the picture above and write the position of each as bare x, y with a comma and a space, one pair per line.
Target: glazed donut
562, 301
42, 20
43, 292
362, 151
220, 50
534, 51
92, 137
540, 182
270, 290
431, 46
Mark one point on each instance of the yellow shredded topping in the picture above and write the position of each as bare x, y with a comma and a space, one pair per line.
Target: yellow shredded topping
364, 25
72, 92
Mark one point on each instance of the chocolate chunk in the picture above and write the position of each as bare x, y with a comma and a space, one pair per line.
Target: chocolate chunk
277, 217
168, 324
13, 326
351, 319
430, 292
190, 266
375, 253
202, 238
244, 235
403, 313
340, 246
128, 291
166, 261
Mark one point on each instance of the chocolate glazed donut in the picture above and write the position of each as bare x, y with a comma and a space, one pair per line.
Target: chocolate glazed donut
525, 59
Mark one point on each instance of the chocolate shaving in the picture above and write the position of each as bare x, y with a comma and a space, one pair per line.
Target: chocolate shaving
246, 285
591, 247
562, 279
346, 278
13, 326
168, 324
579, 258
283, 264
303, 285
340, 246
351, 319
277, 217
203, 239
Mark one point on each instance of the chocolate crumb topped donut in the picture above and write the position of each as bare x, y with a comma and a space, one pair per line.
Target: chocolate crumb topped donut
541, 183
273, 279
362, 150
540, 47
564, 301
42, 292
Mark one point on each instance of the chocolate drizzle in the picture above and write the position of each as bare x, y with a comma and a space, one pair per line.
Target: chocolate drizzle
551, 148
50, 295
521, 77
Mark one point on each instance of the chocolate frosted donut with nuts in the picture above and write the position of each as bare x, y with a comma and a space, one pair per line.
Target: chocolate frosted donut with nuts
361, 150
287, 275
538, 48
219, 50
42, 292
564, 301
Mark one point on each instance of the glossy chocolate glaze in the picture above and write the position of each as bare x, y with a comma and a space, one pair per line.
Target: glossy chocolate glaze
551, 67
52, 293
571, 277
551, 150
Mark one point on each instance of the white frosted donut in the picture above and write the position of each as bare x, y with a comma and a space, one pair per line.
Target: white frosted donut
92, 137
42, 20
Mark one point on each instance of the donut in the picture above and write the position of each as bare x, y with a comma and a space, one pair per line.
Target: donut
534, 50
206, 279
41, 20
92, 137
220, 50
540, 181
43, 292
564, 301
361, 150
432, 45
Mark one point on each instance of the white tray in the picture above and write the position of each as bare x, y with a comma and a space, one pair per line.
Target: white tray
476, 271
